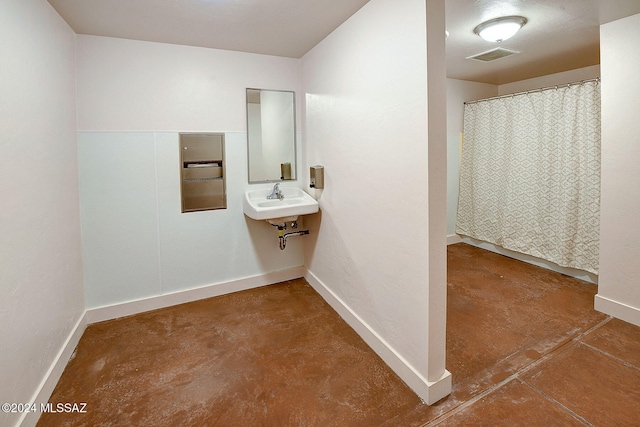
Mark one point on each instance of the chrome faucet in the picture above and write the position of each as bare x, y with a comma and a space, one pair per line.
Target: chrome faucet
276, 193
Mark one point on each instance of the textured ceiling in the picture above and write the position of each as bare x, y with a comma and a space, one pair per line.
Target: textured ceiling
560, 34
287, 28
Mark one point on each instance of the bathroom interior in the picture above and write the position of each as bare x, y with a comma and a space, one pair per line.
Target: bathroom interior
100, 233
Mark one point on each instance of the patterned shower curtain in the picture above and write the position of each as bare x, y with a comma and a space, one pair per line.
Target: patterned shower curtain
530, 174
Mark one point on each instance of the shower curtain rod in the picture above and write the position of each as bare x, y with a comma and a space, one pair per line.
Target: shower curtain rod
597, 79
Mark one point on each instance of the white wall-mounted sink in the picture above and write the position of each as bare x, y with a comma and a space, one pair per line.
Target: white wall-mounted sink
296, 202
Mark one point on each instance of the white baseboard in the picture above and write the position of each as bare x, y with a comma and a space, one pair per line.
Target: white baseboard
129, 308
617, 309
452, 239
429, 392
51, 378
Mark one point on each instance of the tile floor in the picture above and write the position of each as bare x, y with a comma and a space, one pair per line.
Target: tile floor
524, 345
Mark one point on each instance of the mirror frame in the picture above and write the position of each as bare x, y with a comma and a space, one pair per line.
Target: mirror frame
294, 163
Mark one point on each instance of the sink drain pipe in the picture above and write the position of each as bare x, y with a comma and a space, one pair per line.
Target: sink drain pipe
282, 236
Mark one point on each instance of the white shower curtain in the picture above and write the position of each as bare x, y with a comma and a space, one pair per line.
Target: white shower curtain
530, 174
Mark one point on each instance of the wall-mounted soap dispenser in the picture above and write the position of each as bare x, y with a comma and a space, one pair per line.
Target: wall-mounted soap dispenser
202, 171
316, 177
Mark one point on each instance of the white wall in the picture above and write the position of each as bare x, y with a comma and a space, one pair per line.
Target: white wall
619, 285
133, 99
459, 92
372, 254
40, 263
549, 80
141, 86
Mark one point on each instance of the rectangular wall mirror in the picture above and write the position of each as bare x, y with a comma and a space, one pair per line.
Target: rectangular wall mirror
271, 135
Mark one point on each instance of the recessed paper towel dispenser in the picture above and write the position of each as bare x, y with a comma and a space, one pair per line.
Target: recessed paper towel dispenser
202, 171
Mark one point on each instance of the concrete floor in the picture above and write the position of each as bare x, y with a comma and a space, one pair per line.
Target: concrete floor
524, 345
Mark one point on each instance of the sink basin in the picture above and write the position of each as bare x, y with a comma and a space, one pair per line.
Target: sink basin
295, 202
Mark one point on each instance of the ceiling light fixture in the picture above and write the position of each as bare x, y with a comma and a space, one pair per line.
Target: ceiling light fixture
499, 29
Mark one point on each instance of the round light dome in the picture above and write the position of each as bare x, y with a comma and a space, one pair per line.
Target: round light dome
499, 29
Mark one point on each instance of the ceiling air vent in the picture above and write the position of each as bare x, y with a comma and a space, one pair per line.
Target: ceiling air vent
493, 54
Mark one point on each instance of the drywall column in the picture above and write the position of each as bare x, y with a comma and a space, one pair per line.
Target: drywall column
619, 282
437, 211
40, 263
376, 252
